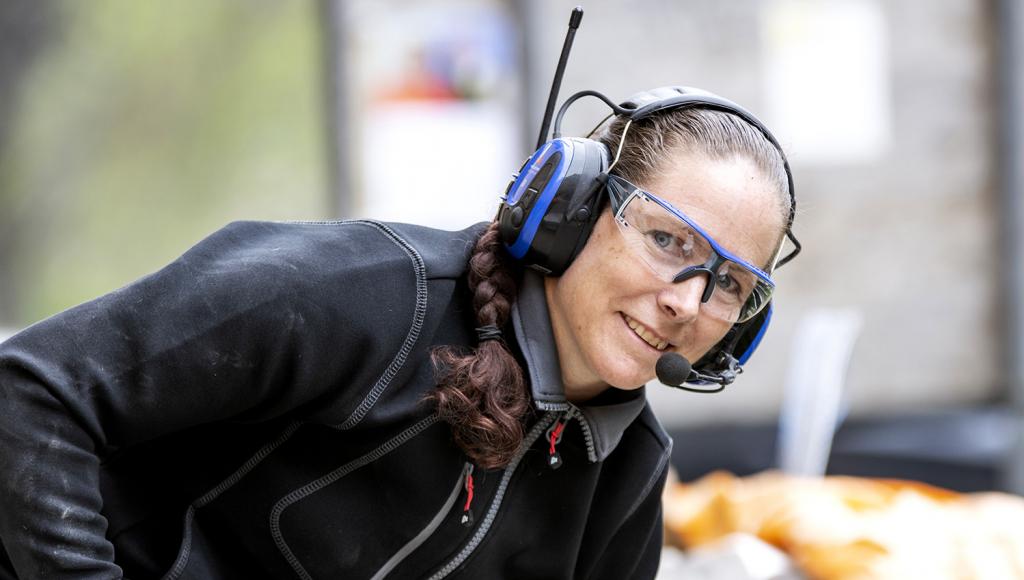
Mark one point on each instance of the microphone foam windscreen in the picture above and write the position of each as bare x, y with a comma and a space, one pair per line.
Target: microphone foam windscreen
672, 369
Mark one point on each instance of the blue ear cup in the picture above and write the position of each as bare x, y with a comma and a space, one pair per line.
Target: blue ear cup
751, 336
551, 205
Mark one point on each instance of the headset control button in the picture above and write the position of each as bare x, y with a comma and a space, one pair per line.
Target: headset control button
517, 217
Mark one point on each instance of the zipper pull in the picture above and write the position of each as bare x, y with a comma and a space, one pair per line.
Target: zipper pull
554, 437
467, 513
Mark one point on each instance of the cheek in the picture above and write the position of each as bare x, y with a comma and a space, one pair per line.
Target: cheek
707, 333
599, 280
606, 256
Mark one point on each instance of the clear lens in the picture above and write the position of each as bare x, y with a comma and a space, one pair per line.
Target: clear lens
676, 249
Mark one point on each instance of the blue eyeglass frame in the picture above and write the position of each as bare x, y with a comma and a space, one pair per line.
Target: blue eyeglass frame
617, 186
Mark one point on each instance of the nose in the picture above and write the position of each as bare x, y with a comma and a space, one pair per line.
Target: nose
681, 301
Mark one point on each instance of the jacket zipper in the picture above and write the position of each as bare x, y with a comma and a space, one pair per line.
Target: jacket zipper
430, 528
588, 435
499, 495
554, 435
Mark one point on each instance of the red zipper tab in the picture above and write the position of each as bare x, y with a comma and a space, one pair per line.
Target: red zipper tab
554, 436
467, 513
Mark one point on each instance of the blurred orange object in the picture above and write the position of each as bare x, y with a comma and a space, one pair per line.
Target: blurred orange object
852, 528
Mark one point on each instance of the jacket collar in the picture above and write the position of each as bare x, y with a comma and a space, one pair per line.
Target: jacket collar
607, 415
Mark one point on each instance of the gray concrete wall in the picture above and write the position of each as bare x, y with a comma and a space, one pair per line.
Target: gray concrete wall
909, 239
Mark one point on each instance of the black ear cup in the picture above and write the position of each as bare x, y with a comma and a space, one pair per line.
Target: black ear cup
551, 205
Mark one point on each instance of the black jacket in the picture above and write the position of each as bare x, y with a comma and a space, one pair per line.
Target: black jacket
256, 409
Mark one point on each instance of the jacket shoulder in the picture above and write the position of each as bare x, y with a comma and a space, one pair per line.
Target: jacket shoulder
386, 291
440, 253
445, 253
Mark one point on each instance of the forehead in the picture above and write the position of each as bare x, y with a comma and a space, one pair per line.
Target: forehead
729, 198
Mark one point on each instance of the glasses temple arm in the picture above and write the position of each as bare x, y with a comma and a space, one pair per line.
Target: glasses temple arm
796, 249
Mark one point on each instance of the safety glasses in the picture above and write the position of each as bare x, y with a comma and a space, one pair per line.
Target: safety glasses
677, 249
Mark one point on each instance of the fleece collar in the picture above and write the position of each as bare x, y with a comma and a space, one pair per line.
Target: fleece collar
607, 415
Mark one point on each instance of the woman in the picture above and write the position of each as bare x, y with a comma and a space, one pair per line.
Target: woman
350, 399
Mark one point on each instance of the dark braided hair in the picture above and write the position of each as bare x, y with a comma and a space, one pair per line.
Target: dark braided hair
482, 395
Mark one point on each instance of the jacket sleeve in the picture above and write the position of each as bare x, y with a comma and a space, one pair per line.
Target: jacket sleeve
247, 325
635, 550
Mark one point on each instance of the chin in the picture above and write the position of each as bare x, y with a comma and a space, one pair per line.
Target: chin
627, 378
631, 387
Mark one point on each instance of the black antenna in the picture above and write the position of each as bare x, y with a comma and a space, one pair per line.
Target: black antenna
574, 22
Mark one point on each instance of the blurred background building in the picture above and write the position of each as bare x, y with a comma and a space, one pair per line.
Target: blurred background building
128, 131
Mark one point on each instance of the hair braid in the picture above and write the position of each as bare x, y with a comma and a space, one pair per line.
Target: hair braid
482, 394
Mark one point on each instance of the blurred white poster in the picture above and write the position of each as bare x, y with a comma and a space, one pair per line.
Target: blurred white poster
444, 165
826, 78
435, 110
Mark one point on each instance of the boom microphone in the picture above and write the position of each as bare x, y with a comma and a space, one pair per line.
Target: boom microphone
673, 369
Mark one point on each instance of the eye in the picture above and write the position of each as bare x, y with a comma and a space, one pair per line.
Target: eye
670, 243
728, 283
664, 240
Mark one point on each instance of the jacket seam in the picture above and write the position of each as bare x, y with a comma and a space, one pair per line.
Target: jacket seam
395, 560
419, 315
186, 542
323, 481
499, 495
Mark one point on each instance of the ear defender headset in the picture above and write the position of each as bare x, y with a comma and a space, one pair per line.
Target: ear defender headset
551, 205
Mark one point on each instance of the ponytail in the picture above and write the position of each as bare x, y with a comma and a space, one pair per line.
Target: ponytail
482, 395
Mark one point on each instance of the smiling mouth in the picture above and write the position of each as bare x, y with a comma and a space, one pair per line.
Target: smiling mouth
646, 334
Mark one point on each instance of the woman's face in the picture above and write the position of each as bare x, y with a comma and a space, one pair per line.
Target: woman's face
608, 289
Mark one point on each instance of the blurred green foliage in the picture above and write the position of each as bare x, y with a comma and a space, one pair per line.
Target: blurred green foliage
144, 126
